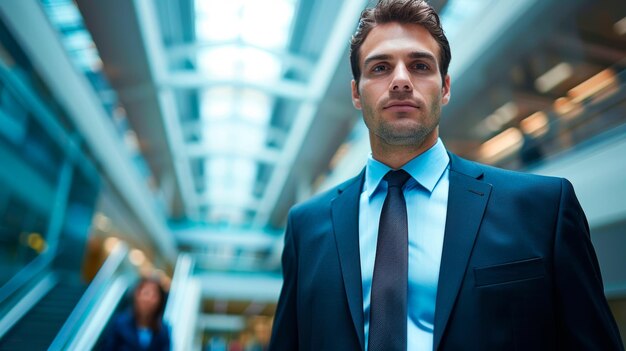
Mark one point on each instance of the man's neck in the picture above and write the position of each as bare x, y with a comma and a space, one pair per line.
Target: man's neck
396, 156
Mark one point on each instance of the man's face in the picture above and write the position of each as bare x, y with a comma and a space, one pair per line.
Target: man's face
400, 91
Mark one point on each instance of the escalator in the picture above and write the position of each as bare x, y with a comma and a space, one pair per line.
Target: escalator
55, 310
37, 329
52, 310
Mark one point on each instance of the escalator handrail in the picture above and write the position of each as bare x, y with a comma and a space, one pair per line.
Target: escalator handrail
184, 269
27, 302
103, 278
89, 332
25, 275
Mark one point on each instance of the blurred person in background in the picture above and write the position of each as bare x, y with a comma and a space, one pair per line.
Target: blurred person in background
141, 327
424, 250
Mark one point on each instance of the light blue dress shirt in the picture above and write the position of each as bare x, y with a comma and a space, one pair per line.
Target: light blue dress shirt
426, 196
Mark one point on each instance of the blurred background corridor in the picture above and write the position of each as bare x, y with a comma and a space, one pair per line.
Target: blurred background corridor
169, 138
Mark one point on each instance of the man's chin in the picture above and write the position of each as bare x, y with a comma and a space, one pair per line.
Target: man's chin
404, 137
404, 140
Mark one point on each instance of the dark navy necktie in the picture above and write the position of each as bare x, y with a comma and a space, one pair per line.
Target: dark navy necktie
388, 312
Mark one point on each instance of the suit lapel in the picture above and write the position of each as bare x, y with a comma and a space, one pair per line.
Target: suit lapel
467, 199
345, 217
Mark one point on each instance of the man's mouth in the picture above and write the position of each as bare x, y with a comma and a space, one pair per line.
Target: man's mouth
401, 106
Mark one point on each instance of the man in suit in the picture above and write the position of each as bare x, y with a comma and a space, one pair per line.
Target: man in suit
427, 251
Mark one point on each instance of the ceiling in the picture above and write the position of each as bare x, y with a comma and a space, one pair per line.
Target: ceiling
219, 98
231, 109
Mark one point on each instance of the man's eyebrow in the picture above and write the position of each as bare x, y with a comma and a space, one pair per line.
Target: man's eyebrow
380, 57
414, 55
422, 55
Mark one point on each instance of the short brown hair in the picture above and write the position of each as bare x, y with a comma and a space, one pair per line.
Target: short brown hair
405, 12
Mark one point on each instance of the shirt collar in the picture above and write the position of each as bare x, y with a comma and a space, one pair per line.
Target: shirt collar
427, 168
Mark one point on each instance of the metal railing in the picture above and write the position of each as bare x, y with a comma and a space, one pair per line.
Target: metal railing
24, 276
182, 309
26, 302
88, 319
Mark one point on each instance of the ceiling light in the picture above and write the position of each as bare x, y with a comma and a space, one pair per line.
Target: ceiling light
36, 242
501, 145
553, 77
136, 257
535, 124
507, 112
102, 222
111, 243
592, 85
567, 107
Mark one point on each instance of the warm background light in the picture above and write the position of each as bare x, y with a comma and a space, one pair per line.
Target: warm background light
110, 243
136, 257
501, 145
535, 124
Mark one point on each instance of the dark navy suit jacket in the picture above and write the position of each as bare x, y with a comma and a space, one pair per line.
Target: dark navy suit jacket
518, 271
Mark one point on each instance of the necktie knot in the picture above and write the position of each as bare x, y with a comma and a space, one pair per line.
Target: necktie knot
396, 178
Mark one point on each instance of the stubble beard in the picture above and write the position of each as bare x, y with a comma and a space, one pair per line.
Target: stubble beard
402, 135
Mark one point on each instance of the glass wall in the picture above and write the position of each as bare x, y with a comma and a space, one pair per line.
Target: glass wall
48, 186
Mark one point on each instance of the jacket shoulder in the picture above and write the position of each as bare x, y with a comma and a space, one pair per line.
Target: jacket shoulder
499, 176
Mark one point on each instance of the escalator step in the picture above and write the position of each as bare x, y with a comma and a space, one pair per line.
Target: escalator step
36, 330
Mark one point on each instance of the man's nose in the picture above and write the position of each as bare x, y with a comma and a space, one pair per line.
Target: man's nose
401, 81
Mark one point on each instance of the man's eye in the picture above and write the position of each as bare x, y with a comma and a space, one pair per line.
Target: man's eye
421, 67
379, 68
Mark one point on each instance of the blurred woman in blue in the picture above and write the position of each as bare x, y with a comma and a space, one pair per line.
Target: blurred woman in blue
141, 327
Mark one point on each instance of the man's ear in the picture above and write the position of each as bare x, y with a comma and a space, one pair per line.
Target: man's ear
356, 97
445, 90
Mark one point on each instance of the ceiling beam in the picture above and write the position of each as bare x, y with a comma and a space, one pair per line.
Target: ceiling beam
157, 62
289, 60
326, 67
205, 150
197, 126
205, 199
246, 239
289, 89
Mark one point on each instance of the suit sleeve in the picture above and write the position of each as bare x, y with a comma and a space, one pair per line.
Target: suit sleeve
585, 321
285, 328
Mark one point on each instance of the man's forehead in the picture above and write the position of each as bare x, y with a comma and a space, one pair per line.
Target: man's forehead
393, 38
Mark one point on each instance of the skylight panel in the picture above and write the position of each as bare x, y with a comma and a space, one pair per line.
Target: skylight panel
218, 103
78, 40
259, 66
221, 62
253, 22
256, 106
230, 180
64, 13
266, 23
234, 135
